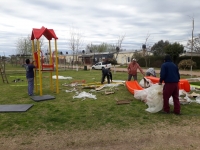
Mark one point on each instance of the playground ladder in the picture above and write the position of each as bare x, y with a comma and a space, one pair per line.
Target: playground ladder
3, 74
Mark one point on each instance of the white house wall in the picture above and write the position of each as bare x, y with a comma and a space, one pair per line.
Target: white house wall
124, 57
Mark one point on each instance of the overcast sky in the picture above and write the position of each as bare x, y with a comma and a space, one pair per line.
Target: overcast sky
100, 21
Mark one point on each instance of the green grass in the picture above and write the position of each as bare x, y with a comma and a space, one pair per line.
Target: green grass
66, 113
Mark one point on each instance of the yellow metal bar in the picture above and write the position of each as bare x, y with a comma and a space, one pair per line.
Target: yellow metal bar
35, 72
39, 65
51, 62
56, 51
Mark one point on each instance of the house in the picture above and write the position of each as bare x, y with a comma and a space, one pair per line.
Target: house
124, 57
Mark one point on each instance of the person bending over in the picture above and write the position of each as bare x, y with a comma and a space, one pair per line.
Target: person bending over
106, 72
151, 72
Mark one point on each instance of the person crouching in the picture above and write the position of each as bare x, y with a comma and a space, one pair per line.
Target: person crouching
106, 72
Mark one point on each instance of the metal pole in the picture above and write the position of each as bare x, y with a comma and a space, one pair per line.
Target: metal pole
192, 42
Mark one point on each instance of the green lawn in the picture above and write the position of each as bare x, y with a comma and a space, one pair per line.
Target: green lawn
66, 113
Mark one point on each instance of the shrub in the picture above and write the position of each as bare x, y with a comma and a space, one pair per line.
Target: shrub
186, 64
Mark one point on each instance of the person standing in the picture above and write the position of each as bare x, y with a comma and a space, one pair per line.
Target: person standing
30, 76
132, 70
106, 72
169, 73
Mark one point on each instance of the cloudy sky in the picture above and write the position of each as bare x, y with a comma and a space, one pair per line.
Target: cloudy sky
100, 21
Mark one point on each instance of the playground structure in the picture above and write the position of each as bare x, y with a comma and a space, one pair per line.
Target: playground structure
133, 85
38, 57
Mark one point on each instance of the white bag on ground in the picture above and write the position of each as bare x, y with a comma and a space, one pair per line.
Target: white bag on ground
152, 96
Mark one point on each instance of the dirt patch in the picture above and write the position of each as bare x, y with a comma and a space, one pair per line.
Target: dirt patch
160, 136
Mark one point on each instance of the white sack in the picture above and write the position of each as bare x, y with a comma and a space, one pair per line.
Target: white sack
152, 96
155, 98
61, 77
148, 83
84, 95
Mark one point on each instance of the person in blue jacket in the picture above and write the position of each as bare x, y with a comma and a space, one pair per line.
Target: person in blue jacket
169, 73
30, 76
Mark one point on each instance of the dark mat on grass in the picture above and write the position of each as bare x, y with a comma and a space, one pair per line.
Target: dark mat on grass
42, 98
15, 107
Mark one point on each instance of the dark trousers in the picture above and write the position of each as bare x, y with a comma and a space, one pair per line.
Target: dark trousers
171, 89
103, 78
130, 76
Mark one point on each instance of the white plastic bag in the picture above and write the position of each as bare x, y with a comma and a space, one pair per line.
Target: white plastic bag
155, 98
84, 95
148, 83
152, 96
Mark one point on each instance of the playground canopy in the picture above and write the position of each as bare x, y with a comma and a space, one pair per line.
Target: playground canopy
48, 33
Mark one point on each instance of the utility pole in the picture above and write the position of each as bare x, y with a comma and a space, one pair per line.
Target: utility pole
192, 37
192, 42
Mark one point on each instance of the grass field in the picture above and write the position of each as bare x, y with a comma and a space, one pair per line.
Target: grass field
97, 120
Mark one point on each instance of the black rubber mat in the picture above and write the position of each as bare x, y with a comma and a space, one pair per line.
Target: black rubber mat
15, 107
42, 98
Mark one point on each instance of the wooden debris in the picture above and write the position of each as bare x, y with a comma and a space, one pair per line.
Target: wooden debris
109, 92
121, 102
89, 87
99, 88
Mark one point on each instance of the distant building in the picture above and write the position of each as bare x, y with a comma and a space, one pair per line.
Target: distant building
190, 54
93, 58
124, 57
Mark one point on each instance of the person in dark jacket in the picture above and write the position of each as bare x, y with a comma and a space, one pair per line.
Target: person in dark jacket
30, 76
170, 75
106, 72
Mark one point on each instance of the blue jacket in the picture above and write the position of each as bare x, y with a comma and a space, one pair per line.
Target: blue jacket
29, 70
169, 72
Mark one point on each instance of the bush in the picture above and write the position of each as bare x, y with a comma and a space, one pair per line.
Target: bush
186, 64
112, 61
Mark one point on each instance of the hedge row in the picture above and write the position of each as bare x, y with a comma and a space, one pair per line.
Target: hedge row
156, 61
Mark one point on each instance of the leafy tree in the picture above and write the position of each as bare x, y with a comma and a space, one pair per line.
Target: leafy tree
158, 48
136, 55
174, 50
103, 47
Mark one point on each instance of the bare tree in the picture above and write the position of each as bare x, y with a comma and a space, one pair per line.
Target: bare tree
119, 45
144, 49
24, 45
75, 42
196, 44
